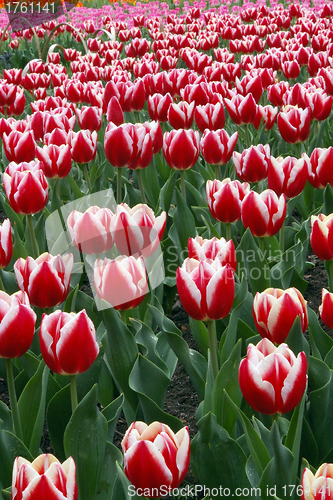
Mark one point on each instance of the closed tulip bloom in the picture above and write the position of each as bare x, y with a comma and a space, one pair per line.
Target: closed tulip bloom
19, 146
252, 164
158, 106
26, 187
121, 144
155, 457
241, 109
7, 93
318, 486
6, 243
91, 231
145, 148
114, 112
68, 342
45, 477
181, 148
326, 308
271, 378
210, 116
225, 198
202, 249
57, 160
89, 117
217, 146
46, 280
320, 167
275, 311
294, 124
264, 213
291, 69
288, 175
156, 134
206, 289
181, 115
83, 145
322, 236
17, 324
265, 115
121, 282
137, 230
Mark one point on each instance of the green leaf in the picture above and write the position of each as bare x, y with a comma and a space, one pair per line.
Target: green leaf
110, 472
6, 417
58, 414
10, 448
321, 343
200, 334
293, 439
167, 192
296, 340
112, 413
150, 380
184, 221
85, 440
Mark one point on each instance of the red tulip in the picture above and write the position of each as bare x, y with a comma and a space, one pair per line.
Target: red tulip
326, 308
181, 115
288, 175
320, 167
7, 94
291, 69
17, 324
275, 311
156, 134
319, 103
121, 144
121, 282
91, 231
158, 106
13, 75
145, 148
114, 112
181, 148
241, 109
322, 236
57, 160
271, 378
202, 249
252, 164
210, 116
217, 147
294, 124
45, 477
19, 146
68, 342
6, 243
83, 145
318, 486
266, 115
46, 280
264, 213
155, 459
26, 187
89, 117
224, 199
206, 289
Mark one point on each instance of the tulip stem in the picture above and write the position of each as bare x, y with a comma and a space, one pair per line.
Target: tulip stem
228, 231
72, 379
247, 137
143, 197
213, 348
261, 245
123, 316
218, 172
182, 183
13, 401
330, 275
87, 177
35, 251
118, 186
2, 286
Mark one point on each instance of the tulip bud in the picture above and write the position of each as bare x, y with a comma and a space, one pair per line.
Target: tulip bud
57, 160
320, 167
288, 175
181, 148
217, 147
326, 308
322, 236
210, 116
294, 124
264, 213
89, 117
252, 164
224, 199
202, 249
6, 243
91, 231
19, 146
121, 144
318, 486
83, 145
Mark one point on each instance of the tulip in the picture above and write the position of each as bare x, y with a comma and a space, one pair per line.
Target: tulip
19, 146
121, 282
210, 116
114, 112
7, 93
217, 146
46, 280
145, 148
322, 236
89, 117
17, 324
320, 167
224, 199
318, 486
137, 230
291, 69
68, 342
294, 124
206, 289
252, 164
288, 175
271, 378
242, 110
275, 311
57, 160
6, 243
91, 231
156, 134
181, 148
45, 477
267, 115
181, 115
325, 308
121, 144
83, 145
263, 213
158, 106
155, 457
26, 187
202, 249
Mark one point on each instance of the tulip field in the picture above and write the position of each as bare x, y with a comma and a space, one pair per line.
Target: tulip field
160, 157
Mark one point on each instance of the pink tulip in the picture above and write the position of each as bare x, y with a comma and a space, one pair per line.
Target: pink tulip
91, 231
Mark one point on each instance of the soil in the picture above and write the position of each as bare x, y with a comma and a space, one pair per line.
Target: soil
181, 399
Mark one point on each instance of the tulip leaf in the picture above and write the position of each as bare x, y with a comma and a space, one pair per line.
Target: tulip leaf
58, 413
75, 188
10, 448
121, 352
184, 221
296, 340
123, 489
32, 408
111, 413
195, 198
200, 334
5, 417
167, 192
105, 385
321, 343
85, 440
293, 439
309, 449
151, 184
252, 263
16, 219
148, 379
256, 446
328, 200
110, 472
193, 362
216, 459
